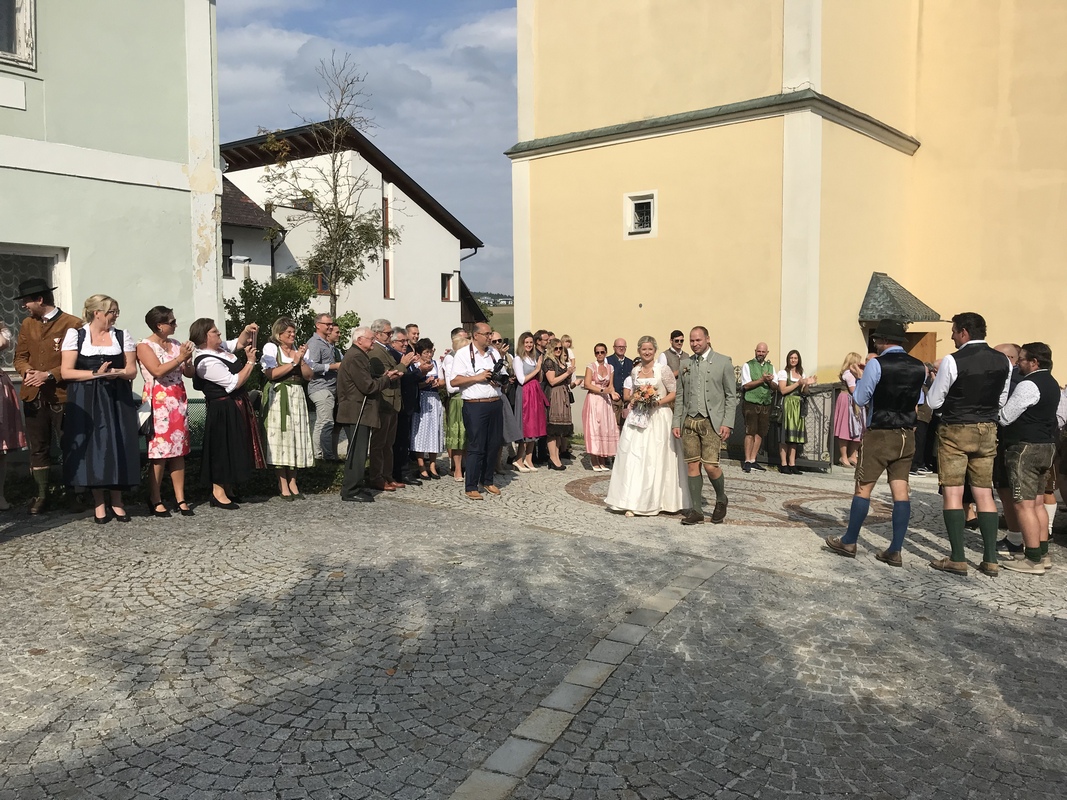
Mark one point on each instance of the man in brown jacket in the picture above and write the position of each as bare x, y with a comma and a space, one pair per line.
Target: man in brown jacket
44, 393
385, 360
359, 390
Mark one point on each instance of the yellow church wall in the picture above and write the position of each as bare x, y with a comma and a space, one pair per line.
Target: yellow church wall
869, 57
714, 261
865, 208
594, 66
987, 225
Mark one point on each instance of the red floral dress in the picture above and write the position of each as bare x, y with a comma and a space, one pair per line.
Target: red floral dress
170, 405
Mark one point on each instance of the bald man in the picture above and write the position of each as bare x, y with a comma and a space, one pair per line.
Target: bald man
1012, 543
758, 388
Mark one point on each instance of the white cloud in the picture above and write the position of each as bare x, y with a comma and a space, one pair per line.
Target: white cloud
443, 102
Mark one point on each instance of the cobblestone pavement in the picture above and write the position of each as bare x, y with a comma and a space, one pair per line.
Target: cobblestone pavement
532, 645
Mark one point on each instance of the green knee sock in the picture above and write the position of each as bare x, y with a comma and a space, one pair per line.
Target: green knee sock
987, 524
1044, 548
1032, 554
40, 476
955, 520
696, 484
719, 485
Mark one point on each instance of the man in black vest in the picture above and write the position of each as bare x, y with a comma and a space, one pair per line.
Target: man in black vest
889, 387
1029, 444
970, 389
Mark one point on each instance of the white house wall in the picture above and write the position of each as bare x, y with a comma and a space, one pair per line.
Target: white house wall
250, 243
425, 251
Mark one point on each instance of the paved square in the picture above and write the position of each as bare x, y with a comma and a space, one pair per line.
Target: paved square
319, 650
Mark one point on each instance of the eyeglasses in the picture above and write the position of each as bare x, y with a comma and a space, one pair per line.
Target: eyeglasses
496, 341
327, 324
679, 339
557, 349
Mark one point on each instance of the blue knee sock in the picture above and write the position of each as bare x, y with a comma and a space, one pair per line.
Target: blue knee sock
901, 517
856, 515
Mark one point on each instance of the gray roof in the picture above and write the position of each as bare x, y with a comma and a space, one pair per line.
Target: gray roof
887, 299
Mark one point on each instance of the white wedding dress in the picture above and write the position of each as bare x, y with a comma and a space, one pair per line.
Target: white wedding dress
649, 475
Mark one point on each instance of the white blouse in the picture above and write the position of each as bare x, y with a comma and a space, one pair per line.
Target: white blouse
521, 368
273, 357
70, 342
212, 370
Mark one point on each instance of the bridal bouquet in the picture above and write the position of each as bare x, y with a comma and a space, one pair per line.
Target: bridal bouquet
643, 402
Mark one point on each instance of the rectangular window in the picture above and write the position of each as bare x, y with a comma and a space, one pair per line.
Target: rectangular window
639, 214
387, 279
385, 223
446, 287
15, 268
18, 33
227, 258
322, 284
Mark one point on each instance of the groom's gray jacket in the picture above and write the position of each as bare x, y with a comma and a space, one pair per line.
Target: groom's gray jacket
706, 386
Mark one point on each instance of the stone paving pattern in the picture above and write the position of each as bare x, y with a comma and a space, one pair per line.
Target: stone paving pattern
532, 645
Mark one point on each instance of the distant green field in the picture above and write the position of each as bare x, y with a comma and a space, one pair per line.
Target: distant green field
503, 320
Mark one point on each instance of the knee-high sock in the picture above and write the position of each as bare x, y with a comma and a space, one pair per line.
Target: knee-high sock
901, 517
988, 524
955, 520
856, 514
696, 484
40, 476
719, 485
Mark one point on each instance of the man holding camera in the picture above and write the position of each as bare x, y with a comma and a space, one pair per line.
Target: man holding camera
476, 372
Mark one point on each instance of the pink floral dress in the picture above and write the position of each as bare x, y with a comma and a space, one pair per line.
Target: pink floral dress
170, 406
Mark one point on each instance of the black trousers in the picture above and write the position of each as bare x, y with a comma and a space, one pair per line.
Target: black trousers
485, 430
401, 444
355, 474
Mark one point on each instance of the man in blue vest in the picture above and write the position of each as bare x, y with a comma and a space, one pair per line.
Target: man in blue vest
622, 366
1029, 440
971, 387
889, 386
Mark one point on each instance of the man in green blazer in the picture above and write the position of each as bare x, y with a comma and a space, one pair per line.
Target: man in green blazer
703, 418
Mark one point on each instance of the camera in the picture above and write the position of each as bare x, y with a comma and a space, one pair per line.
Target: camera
499, 377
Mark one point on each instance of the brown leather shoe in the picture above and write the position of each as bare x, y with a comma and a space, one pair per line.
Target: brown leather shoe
693, 517
383, 486
839, 547
396, 485
890, 557
989, 568
474, 495
37, 505
947, 565
719, 514
492, 490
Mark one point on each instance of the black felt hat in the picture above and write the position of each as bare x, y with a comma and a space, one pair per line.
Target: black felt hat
33, 287
891, 331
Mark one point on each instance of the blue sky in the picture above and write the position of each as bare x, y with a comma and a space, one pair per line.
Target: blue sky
441, 79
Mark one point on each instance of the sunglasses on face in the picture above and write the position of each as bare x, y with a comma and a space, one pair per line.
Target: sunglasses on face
496, 341
601, 353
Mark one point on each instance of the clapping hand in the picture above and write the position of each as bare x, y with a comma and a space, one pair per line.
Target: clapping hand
185, 352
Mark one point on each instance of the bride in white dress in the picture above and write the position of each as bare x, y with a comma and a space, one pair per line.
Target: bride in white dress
649, 474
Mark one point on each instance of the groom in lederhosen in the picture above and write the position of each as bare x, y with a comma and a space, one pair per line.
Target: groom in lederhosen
703, 416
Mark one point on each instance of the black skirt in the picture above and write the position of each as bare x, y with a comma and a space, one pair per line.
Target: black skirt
232, 447
100, 444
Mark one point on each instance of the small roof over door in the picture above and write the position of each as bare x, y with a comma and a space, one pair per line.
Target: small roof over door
887, 299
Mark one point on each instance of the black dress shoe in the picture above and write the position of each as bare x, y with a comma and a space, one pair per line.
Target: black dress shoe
123, 517
185, 512
757, 466
409, 481
560, 468
746, 467
158, 509
358, 497
101, 520
232, 506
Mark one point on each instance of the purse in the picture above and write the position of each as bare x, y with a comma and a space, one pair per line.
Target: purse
775, 413
145, 421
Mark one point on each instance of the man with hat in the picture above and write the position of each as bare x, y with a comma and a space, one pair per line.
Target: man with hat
43, 393
889, 386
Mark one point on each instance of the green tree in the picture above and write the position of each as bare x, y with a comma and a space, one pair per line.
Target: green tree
343, 205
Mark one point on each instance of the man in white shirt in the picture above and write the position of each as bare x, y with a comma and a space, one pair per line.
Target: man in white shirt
483, 415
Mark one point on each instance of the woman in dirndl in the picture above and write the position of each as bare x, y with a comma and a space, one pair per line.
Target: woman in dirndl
165, 363
232, 447
12, 433
455, 432
792, 385
428, 424
558, 372
285, 411
100, 440
528, 364
598, 414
